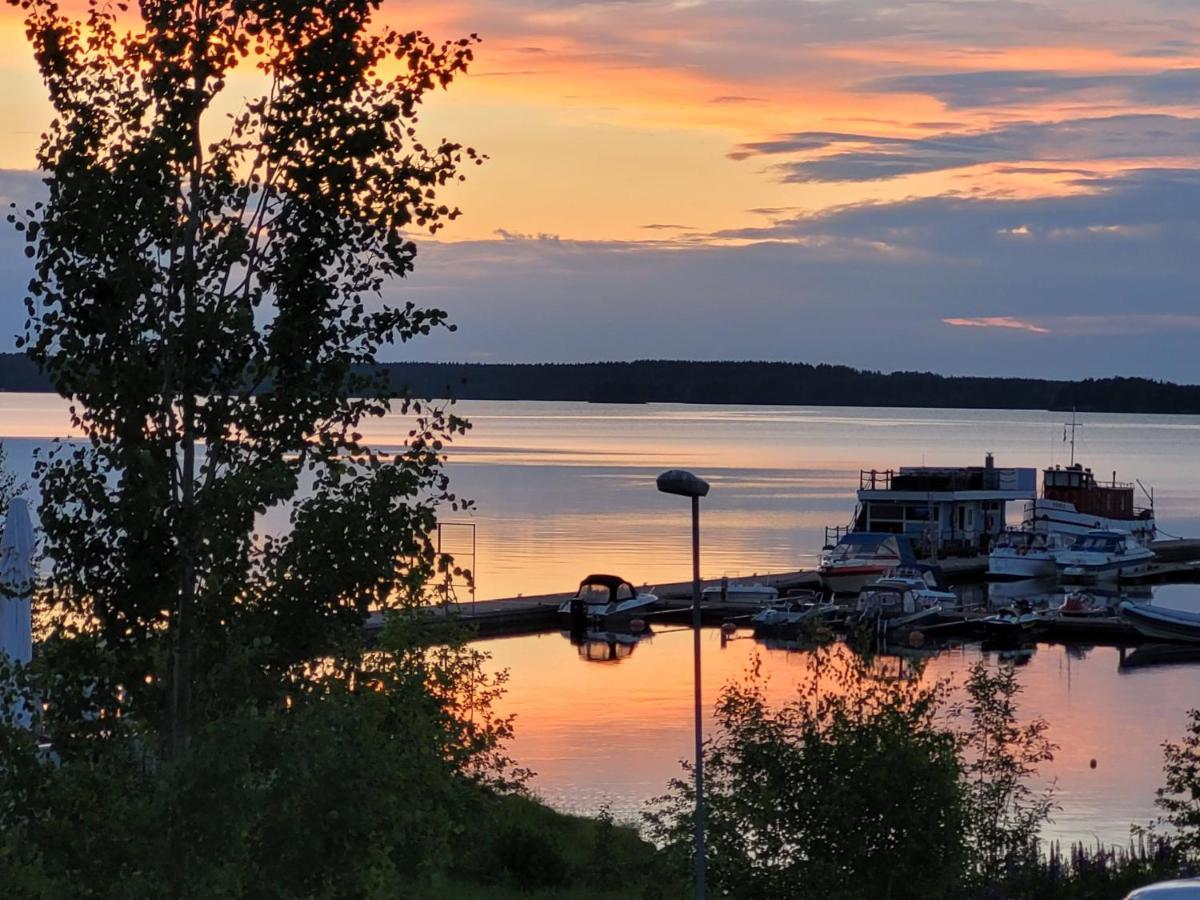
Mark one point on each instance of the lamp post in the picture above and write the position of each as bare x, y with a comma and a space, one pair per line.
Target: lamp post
685, 484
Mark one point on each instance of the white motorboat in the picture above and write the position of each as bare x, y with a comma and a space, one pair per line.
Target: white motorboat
796, 610
737, 593
860, 557
1024, 553
605, 600
1103, 556
901, 601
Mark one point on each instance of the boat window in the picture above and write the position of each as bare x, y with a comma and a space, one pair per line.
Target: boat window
1101, 543
624, 592
594, 593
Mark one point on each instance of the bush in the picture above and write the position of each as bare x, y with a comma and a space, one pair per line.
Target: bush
853, 789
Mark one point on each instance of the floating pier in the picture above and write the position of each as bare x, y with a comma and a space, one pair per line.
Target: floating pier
1177, 561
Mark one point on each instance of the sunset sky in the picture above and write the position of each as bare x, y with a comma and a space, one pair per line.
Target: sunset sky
964, 186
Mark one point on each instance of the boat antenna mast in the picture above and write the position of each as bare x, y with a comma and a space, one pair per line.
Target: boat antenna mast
1073, 425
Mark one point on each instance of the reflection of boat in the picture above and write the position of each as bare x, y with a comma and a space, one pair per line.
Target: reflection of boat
1103, 555
1022, 553
606, 646
1161, 623
860, 557
1018, 656
1149, 655
605, 599
897, 602
737, 593
1038, 592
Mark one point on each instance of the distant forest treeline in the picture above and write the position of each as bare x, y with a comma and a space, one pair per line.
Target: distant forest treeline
775, 383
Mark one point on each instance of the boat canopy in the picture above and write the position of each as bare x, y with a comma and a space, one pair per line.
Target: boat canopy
874, 543
605, 589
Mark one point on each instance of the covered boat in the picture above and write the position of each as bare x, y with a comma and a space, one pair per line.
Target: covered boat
1161, 623
861, 557
605, 600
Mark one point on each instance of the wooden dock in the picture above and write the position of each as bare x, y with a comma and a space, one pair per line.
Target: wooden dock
1178, 561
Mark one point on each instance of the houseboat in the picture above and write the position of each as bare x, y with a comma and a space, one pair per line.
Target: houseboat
942, 510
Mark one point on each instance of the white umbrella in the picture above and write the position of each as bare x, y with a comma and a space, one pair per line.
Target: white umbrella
16, 584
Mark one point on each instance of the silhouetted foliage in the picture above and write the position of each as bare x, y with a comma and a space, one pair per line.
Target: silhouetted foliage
206, 293
776, 384
852, 789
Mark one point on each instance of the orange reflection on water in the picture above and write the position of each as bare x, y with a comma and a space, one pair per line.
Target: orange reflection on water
613, 734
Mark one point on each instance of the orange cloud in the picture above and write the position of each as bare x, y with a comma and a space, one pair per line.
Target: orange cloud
996, 322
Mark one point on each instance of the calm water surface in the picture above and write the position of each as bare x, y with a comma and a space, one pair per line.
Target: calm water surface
563, 489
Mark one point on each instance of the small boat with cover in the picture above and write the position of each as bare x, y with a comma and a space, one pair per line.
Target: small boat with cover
605, 600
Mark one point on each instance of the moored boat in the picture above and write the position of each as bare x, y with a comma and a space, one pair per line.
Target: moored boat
1082, 605
1009, 622
899, 602
1103, 556
605, 600
795, 611
1162, 623
1074, 503
737, 593
1024, 553
861, 557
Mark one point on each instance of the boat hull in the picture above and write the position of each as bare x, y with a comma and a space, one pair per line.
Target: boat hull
851, 579
1015, 566
1162, 625
1108, 570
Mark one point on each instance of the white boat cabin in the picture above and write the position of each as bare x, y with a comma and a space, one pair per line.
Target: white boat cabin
943, 510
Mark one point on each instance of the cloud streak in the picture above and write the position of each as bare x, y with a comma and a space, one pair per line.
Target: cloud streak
996, 322
842, 156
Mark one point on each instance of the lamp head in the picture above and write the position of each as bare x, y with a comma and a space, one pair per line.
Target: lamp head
683, 483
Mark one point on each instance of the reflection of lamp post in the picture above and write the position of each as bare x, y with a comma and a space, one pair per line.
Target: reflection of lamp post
686, 484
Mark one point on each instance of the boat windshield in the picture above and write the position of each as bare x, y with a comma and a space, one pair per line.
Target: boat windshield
594, 593
884, 595
1101, 543
1015, 539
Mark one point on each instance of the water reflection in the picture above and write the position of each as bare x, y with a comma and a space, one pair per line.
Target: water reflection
606, 646
1109, 703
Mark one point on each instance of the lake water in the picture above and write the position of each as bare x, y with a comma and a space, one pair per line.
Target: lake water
564, 489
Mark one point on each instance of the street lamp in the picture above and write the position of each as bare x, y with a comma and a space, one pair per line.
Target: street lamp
685, 484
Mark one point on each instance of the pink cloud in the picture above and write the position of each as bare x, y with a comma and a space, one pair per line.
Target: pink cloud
997, 322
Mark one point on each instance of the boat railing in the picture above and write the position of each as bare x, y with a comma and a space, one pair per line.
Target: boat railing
834, 533
875, 479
